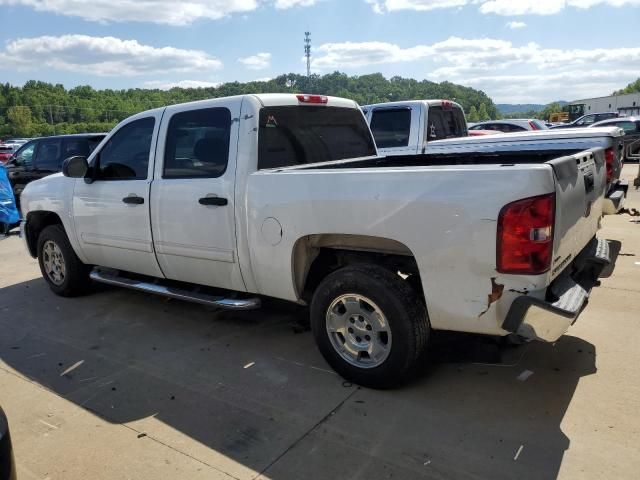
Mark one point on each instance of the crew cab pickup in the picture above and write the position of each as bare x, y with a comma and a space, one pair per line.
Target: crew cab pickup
229, 200
402, 128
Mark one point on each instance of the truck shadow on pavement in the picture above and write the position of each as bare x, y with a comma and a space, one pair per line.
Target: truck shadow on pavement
243, 394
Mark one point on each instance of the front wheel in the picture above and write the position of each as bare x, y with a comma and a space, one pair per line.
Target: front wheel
66, 275
369, 325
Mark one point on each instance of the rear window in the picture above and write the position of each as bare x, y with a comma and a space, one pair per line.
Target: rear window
391, 127
445, 123
294, 135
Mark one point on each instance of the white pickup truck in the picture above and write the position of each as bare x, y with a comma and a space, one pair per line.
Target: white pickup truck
227, 200
417, 127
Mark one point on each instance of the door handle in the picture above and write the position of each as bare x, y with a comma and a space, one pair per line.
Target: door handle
133, 199
217, 201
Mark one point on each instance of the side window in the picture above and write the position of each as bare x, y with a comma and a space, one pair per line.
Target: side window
197, 143
49, 156
72, 147
391, 127
628, 127
24, 156
126, 155
588, 120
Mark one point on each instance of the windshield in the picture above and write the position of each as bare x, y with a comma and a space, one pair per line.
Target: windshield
294, 135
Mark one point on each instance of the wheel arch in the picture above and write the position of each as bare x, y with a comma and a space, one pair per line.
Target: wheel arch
37, 221
315, 256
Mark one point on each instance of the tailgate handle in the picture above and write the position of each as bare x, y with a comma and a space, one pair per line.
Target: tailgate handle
588, 182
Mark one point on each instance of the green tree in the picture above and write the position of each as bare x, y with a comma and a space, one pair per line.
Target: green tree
473, 114
633, 87
483, 113
20, 119
554, 107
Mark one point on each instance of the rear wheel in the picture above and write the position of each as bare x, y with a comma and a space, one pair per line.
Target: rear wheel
369, 325
66, 275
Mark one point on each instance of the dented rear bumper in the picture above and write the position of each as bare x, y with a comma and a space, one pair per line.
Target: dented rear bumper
549, 319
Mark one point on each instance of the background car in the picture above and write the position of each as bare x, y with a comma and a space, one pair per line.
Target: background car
587, 120
631, 127
477, 133
511, 125
7, 465
43, 156
6, 152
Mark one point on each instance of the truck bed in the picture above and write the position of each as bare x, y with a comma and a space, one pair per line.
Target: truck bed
430, 160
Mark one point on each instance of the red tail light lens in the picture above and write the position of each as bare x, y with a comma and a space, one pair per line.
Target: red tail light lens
304, 98
533, 125
525, 235
609, 158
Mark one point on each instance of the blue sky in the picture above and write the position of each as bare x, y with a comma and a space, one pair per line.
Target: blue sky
515, 50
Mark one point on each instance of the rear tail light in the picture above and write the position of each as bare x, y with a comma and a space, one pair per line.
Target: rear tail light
446, 105
320, 99
610, 159
533, 125
525, 235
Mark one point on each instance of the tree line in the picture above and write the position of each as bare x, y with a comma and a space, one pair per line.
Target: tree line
39, 108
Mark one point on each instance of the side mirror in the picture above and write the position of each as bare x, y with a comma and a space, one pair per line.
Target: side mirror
75, 167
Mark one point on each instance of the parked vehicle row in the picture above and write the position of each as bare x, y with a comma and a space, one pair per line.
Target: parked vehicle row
227, 200
587, 120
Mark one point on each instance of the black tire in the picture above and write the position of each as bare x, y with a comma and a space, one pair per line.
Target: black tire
76, 274
405, 314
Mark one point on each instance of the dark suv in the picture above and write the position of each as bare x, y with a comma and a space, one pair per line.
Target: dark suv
590, 119
43, 156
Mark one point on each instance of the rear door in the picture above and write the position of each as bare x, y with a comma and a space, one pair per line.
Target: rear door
396, 129
192, 197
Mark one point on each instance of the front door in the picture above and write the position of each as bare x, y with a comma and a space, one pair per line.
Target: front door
192, 196
111, 213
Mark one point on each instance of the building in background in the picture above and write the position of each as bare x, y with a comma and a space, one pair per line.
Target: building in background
627, 105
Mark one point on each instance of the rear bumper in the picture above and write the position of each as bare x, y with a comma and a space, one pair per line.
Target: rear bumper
615, 198
548, 320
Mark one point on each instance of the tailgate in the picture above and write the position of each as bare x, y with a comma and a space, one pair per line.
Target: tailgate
580, 187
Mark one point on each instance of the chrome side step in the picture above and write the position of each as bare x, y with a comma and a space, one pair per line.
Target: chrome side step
177, 293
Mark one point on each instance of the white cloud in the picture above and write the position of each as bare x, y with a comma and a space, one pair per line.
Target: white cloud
515, 25
168, 12
167, 85
382, 6
485, 63
499, 7
102, 56
259, 61
283, 4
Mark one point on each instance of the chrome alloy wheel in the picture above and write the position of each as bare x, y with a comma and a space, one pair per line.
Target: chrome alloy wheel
53, 262
358, 330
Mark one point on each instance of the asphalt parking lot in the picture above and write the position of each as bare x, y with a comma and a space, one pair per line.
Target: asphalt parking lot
123, 385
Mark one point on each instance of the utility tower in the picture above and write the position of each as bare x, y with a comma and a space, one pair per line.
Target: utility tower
307, 51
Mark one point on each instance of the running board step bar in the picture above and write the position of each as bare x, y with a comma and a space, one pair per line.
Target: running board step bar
177, 293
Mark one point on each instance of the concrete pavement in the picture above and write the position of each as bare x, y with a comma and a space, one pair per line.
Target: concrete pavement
123, 385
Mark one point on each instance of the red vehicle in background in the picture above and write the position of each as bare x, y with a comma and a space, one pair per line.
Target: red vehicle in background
6, 153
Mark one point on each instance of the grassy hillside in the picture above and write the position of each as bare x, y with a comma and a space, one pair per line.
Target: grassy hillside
40, 108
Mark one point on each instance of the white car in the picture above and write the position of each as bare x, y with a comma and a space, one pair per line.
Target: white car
227, 200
